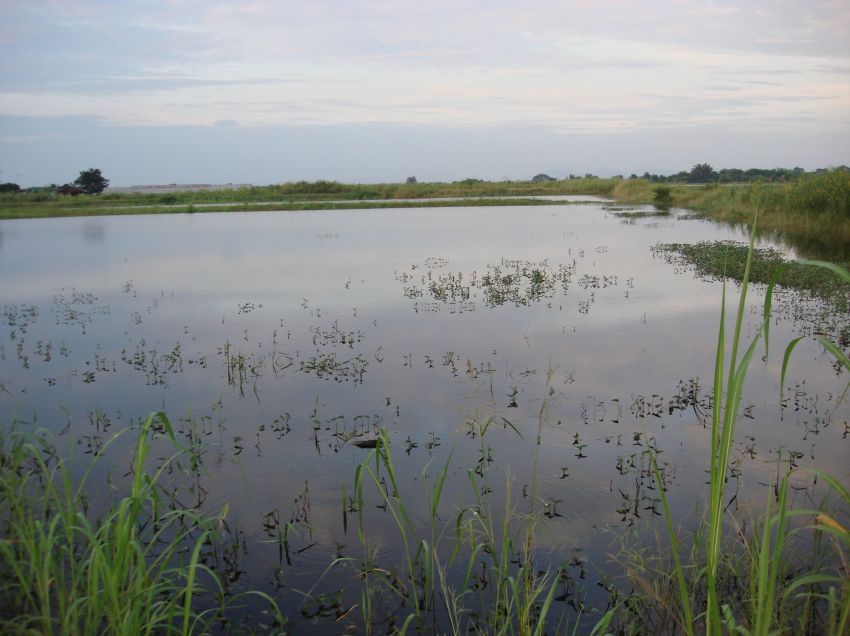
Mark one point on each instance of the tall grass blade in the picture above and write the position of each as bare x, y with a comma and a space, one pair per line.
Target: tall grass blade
684, 595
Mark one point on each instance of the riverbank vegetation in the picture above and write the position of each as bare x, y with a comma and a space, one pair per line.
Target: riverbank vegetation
810, 211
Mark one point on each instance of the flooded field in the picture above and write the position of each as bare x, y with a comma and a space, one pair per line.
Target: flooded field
533, 353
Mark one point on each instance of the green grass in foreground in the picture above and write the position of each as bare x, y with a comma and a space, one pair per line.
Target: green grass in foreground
752, 586
139, 567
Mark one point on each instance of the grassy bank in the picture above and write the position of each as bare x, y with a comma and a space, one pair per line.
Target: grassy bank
25, 212
811, 213
44, 204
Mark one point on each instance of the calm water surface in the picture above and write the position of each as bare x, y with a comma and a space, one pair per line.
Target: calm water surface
282, 338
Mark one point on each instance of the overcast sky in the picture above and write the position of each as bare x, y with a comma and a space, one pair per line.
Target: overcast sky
262, 91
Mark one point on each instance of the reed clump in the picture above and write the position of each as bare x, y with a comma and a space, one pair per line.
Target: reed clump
736, 581
476, 573
140, 566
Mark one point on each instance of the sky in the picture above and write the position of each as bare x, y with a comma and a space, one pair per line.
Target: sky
265, 91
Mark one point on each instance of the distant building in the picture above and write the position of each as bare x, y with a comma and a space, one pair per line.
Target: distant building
177, 187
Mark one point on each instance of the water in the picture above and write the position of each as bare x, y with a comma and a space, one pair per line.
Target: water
283, 338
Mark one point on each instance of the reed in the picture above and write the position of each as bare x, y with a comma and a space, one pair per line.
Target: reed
477, 574
773, 583
137, 567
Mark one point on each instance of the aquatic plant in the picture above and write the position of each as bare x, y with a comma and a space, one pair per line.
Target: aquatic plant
139, 566
823, 591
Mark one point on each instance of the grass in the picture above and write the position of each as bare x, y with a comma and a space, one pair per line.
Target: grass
474, 574
25, 212
748, 588
295, 196
812, 214
138, 567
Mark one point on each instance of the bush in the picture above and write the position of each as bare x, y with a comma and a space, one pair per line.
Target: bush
822, 192
662, 196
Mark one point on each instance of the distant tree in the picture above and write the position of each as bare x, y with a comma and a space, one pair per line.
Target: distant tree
702, 173
540, 178
731, 175
411, 179
91, 181
9, 187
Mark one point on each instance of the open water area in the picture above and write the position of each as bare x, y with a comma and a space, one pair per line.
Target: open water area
539, 351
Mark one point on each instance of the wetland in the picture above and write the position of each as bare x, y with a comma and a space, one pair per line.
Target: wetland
525, 361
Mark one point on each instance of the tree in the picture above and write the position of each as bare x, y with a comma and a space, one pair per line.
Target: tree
540, 178
411, 179
92, 181
702, 173
9, 187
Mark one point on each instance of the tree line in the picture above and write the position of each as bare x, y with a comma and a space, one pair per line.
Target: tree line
90, 181
704, 173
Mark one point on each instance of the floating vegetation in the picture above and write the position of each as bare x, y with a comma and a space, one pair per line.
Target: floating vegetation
20, 316
726, 259
335, 336
326, 366
814, 298
629, 214
513, 282
77, 308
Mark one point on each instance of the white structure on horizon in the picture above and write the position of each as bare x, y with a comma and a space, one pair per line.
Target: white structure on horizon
177, 187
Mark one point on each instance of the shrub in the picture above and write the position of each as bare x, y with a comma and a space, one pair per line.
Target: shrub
662, 196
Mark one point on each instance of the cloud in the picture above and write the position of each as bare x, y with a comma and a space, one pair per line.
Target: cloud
569, 65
